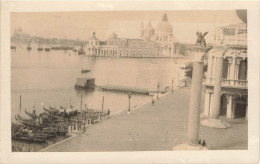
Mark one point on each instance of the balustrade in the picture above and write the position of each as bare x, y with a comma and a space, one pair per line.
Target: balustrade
228, 82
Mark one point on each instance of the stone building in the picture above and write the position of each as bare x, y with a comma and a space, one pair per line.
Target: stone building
152, 42
228, 60
115, 46
162, 34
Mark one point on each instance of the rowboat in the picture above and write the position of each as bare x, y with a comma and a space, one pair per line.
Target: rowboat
85, 70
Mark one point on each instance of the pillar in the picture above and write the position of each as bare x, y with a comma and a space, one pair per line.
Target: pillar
209, 71
207, 104
195, 99
232, 70
211, 104
213, 68
229, 107
217, 87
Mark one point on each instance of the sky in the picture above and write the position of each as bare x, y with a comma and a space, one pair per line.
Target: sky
126, 24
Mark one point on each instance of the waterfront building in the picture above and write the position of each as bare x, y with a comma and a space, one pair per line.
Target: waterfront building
115, 46
151, 43
228, 58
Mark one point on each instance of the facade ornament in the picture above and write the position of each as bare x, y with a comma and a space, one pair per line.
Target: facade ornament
238, 60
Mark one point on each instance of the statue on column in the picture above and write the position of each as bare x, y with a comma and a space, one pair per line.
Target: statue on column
200, 39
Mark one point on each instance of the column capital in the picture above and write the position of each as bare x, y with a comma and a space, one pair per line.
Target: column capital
198, 52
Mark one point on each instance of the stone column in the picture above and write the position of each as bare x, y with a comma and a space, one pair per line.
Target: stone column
229, 107
207, 104
209, 71
213, 68
211, 104
195, 99
217, 86
232, 70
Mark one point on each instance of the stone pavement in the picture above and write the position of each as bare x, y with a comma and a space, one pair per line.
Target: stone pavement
153, 128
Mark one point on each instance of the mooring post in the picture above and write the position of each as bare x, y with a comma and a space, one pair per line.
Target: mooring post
20, 104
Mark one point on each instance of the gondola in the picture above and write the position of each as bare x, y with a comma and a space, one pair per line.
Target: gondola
32, 115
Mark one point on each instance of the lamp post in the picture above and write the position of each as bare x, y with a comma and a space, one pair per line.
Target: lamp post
129, 97
85, 117
158, 86
172, 83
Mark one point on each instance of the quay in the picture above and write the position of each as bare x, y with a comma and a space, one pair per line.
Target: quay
126, 89
153, 128
89, 83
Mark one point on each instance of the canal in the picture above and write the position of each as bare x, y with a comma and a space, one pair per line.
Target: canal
48, 78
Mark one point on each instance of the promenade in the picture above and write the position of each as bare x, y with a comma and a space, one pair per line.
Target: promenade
153, 128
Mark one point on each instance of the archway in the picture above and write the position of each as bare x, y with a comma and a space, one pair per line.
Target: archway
240, 107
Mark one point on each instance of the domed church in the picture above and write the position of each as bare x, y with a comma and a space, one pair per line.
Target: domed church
162, 34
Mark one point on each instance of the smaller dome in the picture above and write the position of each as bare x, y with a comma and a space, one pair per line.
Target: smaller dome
113, 35
149, 30
93, 37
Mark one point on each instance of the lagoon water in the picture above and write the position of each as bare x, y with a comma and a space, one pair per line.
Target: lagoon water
48, 78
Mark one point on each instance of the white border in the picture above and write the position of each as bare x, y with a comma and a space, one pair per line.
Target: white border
212, 156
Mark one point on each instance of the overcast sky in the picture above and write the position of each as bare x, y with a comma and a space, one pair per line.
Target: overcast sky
81, 25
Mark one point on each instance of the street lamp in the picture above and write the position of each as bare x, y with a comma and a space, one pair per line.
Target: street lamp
172, 83
85, 117
158, 86
129, 97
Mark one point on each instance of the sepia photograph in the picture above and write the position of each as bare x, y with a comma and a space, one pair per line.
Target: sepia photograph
129, 81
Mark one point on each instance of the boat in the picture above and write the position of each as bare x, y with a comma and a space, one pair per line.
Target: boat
85, 83
47, 49
40, 46
85, 70
32, 115
62, 107
81, 51
29, 46
13, 48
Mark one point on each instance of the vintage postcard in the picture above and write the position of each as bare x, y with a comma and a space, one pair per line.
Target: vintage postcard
130, 82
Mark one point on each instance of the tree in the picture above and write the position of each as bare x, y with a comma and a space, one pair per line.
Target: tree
188, 70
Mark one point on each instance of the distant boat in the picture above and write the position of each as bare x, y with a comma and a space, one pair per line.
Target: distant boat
74, 49
13, 48
85, 70
29, 47
47, 48
81, 51
40, 46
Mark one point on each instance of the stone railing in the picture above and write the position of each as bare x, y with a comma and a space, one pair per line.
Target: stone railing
228, 82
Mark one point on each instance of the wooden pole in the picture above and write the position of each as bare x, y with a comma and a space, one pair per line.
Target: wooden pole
20, 104
81, 103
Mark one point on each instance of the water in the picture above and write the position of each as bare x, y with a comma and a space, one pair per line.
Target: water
48, 78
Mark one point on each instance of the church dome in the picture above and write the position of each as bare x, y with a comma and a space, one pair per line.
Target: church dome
164, 26
93, 37
149, 30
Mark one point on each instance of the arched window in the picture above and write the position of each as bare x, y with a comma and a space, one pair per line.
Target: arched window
225, 69
242, 74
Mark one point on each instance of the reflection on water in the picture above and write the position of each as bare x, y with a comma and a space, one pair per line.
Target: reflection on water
48, 78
